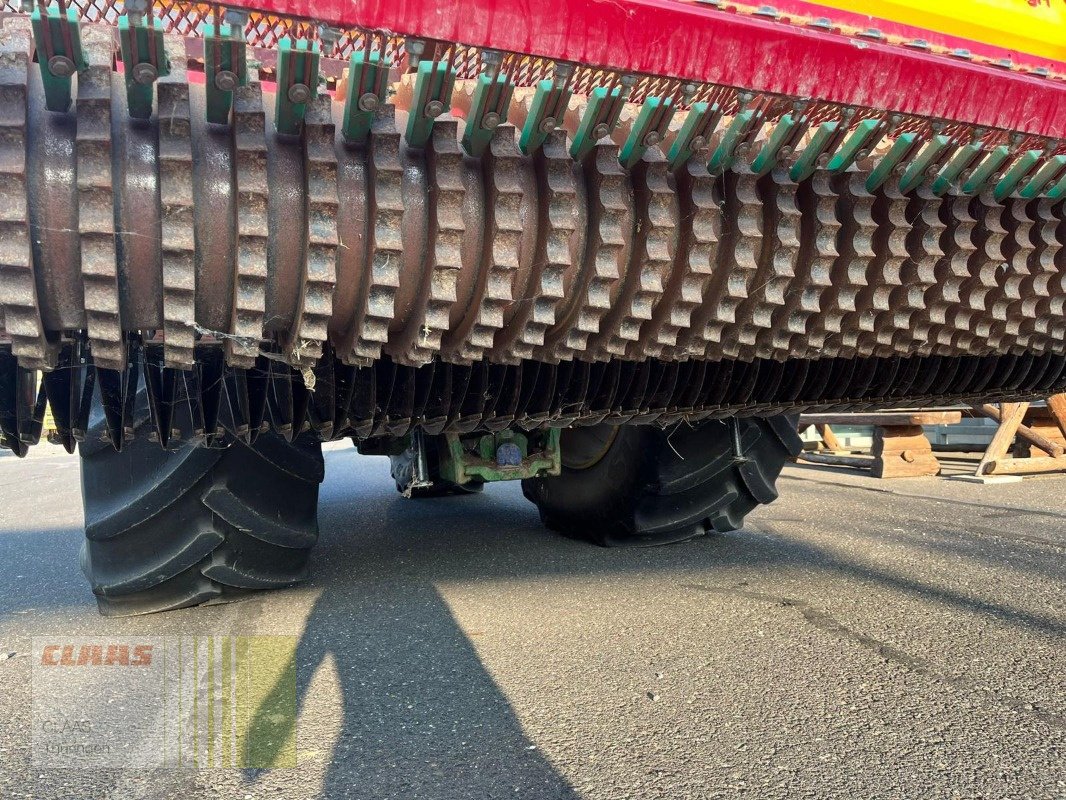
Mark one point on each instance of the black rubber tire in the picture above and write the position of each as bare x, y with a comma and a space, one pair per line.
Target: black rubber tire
650, 486
403, 468
171, 529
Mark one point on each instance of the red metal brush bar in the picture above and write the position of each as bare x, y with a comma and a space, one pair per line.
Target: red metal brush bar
700, 42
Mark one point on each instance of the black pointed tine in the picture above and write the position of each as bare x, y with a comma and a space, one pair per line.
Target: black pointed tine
57, 385
160, 407
279, 401
211, 385
344, 381
236, 381
322, 408
364, 401
109, 383
301, 401
130, 381
193, 429
258, 383
83, 400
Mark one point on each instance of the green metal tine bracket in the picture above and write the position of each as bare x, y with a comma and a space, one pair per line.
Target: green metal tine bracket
57, 37
986, 169
368, 87
1058, 191
1044, 177
225, 63
781, 142
926, 163
434, 81
814, 154
489, 105
298, 78
650, 128
744, 122
963, 159
1018, 171
700, 122
893, 161
144, 58
547, 108
600, 117
858, 144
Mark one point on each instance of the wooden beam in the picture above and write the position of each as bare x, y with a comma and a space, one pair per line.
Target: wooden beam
885, 418
1010, 417
1023, 466
1057, 406
828, 437
837, 460
1025, 432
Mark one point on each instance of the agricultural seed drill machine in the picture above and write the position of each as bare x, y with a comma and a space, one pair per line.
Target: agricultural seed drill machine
604, 247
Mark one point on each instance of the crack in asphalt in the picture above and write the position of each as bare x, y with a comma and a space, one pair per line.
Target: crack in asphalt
827, 623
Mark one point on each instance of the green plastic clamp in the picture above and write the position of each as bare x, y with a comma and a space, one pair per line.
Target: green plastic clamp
959, 163
807, 163
599, 120
918, 170
545, 114
651, 126
1018, 171
769, 154
504, 456
896, 154
489, 106
1043, 177
862, 138
695, 132
298, 78
225, 68
432, 98
724, 155
58, 41
144, 60
368, 88
984, 171
1058, 191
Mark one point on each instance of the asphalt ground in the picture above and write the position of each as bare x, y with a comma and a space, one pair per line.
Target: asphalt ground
861, 639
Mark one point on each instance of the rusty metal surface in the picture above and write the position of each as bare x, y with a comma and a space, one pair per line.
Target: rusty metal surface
18, 287
96, 202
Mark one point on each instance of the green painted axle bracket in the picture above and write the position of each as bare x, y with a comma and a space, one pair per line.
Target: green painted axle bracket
57, 38
504, 456
649, 130
434, 82
298, 77
545, 111
700, 122
489, 107
225, 68
368, 88
745, 121
600, 117
144, 61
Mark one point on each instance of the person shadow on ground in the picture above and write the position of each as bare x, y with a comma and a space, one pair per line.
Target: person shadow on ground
421, 716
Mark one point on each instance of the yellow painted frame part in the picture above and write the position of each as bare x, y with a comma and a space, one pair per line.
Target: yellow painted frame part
1037, 28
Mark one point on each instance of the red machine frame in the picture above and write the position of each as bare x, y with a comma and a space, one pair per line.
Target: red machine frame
764, 53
